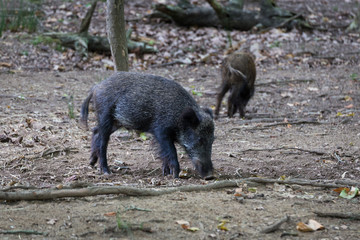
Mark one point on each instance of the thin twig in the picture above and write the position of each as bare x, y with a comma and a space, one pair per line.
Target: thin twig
353, 216
280, 148
309, 121
284, 82
132, 207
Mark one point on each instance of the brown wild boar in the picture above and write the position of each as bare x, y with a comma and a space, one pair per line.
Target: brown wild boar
238, 75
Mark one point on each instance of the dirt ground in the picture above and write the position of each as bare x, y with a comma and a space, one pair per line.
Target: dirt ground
302, 123
46, 148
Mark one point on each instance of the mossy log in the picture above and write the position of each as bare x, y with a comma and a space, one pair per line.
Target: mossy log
83, 42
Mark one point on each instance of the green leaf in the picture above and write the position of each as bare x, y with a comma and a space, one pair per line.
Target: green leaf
143, 136
253, 190
194, 92
350, 194
193, 229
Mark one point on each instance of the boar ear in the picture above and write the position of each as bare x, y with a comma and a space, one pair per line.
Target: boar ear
209, 111
190, 118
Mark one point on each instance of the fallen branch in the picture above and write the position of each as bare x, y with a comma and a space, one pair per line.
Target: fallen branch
352, 216
276, 225
133, 191
21, 232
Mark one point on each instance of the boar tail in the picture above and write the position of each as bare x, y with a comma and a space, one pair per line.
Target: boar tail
84, 113
237, 72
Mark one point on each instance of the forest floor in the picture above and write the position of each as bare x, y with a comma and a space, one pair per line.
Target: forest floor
302, 124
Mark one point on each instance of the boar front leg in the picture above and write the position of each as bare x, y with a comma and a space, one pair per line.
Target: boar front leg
168, 154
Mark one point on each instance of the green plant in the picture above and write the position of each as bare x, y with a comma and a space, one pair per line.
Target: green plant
354, 77
195, 92
70, 103
123, 225
275, 44
17, 15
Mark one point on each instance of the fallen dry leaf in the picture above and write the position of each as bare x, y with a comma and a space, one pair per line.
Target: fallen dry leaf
184, 174
51, 221
238, 192
110, 214
184, 224
193, 229
310, 227
315, 225
222, 226
340, 189
347, 98
4, 64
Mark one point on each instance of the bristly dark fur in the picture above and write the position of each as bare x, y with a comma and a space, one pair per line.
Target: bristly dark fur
156, 105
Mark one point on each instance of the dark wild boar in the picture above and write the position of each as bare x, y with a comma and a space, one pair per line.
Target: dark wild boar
152, 104
238, 74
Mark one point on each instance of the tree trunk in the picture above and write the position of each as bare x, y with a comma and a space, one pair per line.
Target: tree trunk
84, 27
115, 27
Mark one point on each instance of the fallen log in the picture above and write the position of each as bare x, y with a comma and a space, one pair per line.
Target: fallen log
230, 16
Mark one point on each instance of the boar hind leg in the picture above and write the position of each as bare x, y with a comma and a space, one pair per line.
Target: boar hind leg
232, 104
168, 155
105, 129
224, 88
95, 146
245, 96
242, 107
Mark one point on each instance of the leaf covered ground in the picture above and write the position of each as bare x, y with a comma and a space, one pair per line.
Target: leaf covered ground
303, 123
